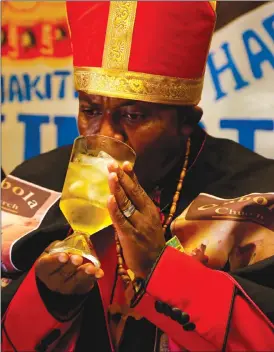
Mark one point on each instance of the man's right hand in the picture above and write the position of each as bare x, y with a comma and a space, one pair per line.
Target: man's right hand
67, 274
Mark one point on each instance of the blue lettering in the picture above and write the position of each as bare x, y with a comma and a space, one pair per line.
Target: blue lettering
76, 94
268, 24
32, 133
66, 129
2, 89
31, 87
15, 89
48, 90
247, 128
63, 75
217, 71
2, 118
256, 59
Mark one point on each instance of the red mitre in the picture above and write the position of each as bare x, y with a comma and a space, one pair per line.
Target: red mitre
152, 51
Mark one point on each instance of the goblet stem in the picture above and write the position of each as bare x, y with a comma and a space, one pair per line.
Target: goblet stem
77, 243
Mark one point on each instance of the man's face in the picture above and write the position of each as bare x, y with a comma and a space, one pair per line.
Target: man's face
150, 129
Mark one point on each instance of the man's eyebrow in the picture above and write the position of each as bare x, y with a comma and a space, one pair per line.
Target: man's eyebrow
127, 103
84, 98
95, 101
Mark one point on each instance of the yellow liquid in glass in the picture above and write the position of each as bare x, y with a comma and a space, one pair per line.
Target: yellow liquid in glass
85, 193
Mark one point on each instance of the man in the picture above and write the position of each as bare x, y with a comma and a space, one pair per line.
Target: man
139, 70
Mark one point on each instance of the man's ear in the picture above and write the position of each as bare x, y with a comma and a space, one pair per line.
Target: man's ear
197, 114
188, 117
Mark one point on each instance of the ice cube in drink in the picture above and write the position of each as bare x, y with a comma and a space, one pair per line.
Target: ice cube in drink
85, 193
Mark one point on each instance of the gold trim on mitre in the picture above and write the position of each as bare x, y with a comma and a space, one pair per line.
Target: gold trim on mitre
138, 86
118, 40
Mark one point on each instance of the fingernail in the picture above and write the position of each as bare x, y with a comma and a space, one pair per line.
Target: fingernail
128, 166
114, 176
111, 198
76, 259
89, 270
115, 165
99, 274
63, 258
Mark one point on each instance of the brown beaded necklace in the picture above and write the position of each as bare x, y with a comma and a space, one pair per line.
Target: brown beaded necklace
122, 272
127, 276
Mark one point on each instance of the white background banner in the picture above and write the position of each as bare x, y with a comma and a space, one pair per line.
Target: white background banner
238, 95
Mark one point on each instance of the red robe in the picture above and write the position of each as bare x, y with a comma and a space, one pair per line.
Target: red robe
222, 313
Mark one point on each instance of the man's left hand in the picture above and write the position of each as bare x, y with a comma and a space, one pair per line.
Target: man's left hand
141, 235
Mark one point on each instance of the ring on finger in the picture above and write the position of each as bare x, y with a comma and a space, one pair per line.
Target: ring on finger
128, 212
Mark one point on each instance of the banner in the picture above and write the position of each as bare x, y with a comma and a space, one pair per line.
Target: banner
39, 103
238, 95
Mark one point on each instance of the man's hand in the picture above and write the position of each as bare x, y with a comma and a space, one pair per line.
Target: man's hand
141, 235
67, 274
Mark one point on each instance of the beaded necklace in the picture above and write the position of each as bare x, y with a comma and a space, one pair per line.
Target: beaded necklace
127, 276
122, 272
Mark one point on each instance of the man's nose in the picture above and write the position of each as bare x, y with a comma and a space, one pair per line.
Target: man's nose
110, 128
